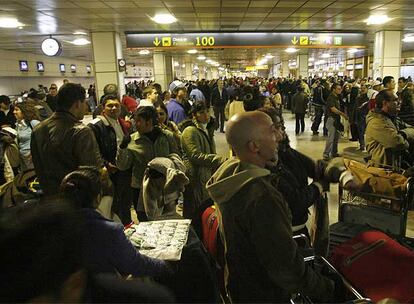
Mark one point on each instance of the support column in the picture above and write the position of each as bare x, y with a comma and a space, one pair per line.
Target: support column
214, 73
387, 54
163, 73
302, 65
365, 62
188, 71
285, 68
201, 72
107, 49
209, 75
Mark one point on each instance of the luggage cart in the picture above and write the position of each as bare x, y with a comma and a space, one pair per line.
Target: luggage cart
385, 213
350, 293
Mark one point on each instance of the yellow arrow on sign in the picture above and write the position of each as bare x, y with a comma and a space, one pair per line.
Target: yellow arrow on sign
156, 41
294, 40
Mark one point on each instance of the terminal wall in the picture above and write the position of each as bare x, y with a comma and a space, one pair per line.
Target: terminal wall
13, 81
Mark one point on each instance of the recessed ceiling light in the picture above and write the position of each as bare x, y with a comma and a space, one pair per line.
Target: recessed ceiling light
326, 55
201, 57
408, 38
164, 18
176, 64
377, 19
311, 59
183, 65
193, 51
144, 52
269, 56
79, 33
352, 51
80, 41
209, 61
291, 50
7, 22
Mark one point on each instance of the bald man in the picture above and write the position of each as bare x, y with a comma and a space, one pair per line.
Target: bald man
262, 259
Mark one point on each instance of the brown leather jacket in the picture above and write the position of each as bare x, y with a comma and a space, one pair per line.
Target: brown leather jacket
59, 145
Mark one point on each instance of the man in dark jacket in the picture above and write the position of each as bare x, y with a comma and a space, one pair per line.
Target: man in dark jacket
61, 143
300, 105
51, 98
263, 262
7, 117
109, 130
219, 99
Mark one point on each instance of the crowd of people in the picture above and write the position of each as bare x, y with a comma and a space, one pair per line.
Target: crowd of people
150, 139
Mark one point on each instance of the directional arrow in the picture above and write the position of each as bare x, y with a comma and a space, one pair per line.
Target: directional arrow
157, 42
294, 40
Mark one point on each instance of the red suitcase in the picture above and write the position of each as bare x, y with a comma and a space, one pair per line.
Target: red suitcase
377, 266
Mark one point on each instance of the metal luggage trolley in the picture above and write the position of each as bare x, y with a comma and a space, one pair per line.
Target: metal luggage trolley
385, 213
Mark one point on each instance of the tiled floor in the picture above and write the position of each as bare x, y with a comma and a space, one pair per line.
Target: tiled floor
313, 146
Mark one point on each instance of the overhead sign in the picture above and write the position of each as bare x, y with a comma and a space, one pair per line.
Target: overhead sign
257, 67
244, 39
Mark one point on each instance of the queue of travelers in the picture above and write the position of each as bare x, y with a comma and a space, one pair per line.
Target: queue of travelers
261, 190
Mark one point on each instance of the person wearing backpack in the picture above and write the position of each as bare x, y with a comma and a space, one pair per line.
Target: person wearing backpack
27, 118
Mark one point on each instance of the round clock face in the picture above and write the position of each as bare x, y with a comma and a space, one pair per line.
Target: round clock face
50, 47
122, 63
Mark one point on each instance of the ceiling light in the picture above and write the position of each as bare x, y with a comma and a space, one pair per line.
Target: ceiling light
192, 51
217, 64
201, 57
183, 65
326, 55
221, 68
144, 52
176, 64
321, 62
79, 33
408, 39
209, 61
291, 50
195, 67
311, 59
269, 56
377, 19
352, 51
80, 41
164, 18
10, 22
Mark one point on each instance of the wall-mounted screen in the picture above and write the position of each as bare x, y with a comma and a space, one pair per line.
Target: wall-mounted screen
73, 68
62, 68
40, 66
23, 65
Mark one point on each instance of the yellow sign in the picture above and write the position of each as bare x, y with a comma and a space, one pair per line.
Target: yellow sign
156, 41
338, 40
256, 67
166, 41
294, 40
303, 40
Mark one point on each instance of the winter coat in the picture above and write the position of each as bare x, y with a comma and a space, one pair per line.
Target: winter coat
262, 260
59, 145
141, 150
200, 158
300, 103
217, 100
383, 140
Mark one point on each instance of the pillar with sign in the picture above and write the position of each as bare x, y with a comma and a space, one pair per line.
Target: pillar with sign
163, 72
107, 53
302, 65
387, 54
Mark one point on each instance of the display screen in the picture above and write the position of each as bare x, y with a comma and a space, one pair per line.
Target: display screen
24, 66
40, 66
62, 68
88, 69
73, 68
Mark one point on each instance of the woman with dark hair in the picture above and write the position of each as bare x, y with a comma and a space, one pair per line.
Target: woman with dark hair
165, 123
27, 117
108, 251
199, 155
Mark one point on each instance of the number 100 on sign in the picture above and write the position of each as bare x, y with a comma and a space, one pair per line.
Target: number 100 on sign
205, 41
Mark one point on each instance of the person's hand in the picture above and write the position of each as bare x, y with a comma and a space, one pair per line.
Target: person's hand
125, 141
111, 168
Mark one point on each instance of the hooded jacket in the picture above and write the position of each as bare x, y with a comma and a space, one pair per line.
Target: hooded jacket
383, 139
199, 155
262, 260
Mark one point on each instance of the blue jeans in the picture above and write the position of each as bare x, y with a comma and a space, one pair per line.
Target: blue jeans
331, 147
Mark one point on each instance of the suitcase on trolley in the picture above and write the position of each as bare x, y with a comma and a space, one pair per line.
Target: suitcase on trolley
378, 266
